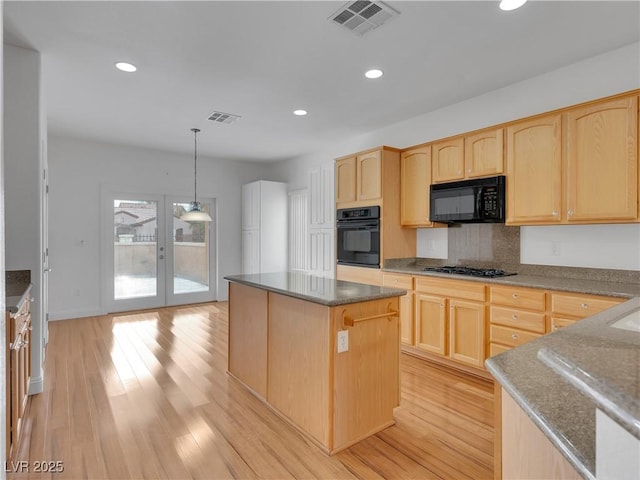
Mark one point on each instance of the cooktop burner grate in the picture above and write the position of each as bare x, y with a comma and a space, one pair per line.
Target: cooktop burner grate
475, 272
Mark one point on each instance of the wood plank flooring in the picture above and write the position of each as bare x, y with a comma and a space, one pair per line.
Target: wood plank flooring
146, 395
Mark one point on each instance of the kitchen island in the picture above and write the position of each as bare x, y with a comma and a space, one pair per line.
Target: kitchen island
322, 353
559, 390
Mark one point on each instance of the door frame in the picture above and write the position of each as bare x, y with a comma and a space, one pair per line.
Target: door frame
163, 282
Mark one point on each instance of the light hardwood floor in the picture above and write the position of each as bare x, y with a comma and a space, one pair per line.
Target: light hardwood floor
146, 395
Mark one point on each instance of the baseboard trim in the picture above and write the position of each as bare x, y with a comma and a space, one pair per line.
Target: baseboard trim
55, 316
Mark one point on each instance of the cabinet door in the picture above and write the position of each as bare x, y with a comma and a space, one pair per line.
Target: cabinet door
251, 205
602, 161
447, 160
250, 251
534, 171
466, 332
369, 176
346, 180
484, 154
415, 178
431, 323
406, 318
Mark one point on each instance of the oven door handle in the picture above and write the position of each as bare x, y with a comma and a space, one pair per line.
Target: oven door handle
352, 224
480, 203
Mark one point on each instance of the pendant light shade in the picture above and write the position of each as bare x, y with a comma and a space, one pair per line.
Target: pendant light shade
195, 213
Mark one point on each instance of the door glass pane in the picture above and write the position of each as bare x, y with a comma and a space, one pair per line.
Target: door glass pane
190, 252
135, 229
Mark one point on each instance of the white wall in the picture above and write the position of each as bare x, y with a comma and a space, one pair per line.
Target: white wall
23, 134
607, 74
3, 329
79, 169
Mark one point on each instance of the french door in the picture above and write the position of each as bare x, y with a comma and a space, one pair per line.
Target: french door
151, 257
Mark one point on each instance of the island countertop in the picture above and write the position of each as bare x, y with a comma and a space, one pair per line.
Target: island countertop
560, 379
321, 290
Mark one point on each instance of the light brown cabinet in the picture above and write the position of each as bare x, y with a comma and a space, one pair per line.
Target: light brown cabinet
404, 282
484, 153
359, 179
534, 171
415, 178
479, 154
450, 319
448, 160
18, 334
568, 308
577, 166
516, 316
602, 161
368, 276
346, 180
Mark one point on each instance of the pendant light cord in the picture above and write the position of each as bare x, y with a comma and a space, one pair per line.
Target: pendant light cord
195, 164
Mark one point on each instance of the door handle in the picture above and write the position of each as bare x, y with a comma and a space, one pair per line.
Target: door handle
47, 270
161, 257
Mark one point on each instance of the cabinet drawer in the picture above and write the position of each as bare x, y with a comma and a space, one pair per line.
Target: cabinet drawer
452, 288
511, 336
396, 280
524, 319
369, 276
558, 322
496, 348
580, 305
532, 299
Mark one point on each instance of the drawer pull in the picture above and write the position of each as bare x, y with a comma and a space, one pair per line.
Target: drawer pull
514, 336
585, 305
515, 295
514, 316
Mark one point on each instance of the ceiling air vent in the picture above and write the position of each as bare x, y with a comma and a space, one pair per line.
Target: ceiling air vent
362, 16
221, 117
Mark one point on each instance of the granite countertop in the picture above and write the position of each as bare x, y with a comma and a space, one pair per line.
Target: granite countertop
560, 379
325, 291
578, 285
16, 289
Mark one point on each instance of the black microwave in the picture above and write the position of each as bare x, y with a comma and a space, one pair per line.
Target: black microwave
481, 200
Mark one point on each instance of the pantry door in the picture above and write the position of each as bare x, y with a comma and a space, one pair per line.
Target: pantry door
151, 257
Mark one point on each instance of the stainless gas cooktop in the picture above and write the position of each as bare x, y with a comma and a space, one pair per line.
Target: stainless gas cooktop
474, 272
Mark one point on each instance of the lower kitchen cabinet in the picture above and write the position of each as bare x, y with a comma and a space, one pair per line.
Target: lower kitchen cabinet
18, 334
404, 282
450, 319
369, 276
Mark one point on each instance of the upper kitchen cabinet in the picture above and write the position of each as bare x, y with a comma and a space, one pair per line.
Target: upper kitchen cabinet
602, 162
484, 153
534, 171
576, 166
346, 180
447, 162
415, 178
364, 178
479, 154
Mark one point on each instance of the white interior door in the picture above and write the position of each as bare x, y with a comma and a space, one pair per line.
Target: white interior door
152, 258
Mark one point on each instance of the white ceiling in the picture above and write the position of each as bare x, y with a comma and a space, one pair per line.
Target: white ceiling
262, 60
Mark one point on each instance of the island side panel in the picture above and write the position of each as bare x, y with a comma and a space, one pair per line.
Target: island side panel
298, 375
366, 377
248, 336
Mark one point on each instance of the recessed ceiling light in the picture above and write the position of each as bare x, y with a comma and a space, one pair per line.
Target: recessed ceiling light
126, 67
375, 73
300, 112
507, 5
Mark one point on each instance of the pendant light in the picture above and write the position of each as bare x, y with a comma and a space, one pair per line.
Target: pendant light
195, 213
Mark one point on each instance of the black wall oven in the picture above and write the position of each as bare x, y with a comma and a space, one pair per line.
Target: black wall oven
359, 236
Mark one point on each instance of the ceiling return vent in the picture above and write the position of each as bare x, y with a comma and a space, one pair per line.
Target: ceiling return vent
221, 117
363, 16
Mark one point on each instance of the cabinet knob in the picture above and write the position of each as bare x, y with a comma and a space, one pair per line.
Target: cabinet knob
442, 305
585, 305
514, 336
469, 171
570, 213
515, 295
555, 213
514, 316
